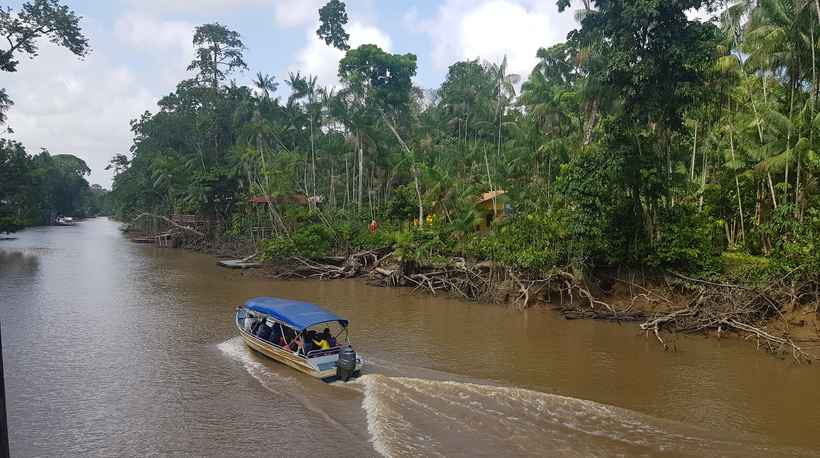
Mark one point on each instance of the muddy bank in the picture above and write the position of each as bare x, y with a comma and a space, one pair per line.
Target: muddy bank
774, 317
780, 317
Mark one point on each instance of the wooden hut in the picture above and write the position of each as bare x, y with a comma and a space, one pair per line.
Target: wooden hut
493, 205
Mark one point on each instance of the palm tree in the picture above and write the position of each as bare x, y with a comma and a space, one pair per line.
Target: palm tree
266, 83
504, 94
776, 42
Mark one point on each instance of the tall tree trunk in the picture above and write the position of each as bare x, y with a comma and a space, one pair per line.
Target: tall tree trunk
694, 151
414, 167
313, 156
500, 118
771, 188
492, 189
418, 193
332, 186
797, 198
737, 189
275, 216
361, 172
703, 179
789, 141
590, 121
817, 7
347, 183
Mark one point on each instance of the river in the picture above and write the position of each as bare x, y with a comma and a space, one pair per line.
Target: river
118, 349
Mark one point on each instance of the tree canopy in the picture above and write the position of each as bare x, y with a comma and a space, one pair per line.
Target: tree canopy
647, 138
34, 21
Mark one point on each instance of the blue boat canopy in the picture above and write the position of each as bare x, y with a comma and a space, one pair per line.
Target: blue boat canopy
298, 315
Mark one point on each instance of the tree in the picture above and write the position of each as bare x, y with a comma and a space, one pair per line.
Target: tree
378, 77
5, 103
218, 53
332, 18
23, 30
266, 83
15, 169
380, 84
656, 63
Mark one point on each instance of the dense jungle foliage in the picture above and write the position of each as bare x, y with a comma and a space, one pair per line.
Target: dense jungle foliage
647, 138
37, 189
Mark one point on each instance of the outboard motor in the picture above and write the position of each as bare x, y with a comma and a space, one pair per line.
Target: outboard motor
346, 364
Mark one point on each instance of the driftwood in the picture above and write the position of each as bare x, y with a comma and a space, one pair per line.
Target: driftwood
711, 306
167, 220
720, 306
327, 268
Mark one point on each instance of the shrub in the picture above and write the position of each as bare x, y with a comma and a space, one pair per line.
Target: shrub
687, 240
428, 244
312, 240
537, 241
794, 243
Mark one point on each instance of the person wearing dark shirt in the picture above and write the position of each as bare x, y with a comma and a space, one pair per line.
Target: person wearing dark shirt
265, 330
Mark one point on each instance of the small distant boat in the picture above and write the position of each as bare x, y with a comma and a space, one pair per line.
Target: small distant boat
64, 221
287, 331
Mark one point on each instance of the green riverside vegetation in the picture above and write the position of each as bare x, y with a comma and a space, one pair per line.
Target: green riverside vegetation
648, 139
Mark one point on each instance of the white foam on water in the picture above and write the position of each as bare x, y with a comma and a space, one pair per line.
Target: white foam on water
237, 350
423, 417
412, 417
291, 386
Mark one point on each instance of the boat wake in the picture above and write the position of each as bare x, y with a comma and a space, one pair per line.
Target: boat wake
290, 386
236, 349
413, 417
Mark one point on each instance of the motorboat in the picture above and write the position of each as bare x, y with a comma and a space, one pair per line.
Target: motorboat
64, 221
301, 335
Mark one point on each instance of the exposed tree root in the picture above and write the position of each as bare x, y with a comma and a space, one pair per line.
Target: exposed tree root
709, 306
720, 306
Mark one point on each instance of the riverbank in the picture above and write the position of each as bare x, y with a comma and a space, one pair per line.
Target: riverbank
780, 317
775, 316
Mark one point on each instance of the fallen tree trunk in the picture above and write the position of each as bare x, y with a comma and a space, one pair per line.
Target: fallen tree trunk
172, 223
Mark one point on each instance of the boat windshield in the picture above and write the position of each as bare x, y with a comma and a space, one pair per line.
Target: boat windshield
325, 338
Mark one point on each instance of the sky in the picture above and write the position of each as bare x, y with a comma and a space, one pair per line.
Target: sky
141, 49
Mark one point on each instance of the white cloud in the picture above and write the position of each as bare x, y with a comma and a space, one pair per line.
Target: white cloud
322, 61
166, 44
287, 13
80, 107
141, 30
196, 6
491, 29
291, 13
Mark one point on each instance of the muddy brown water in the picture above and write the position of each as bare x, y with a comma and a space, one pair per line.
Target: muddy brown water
117, 349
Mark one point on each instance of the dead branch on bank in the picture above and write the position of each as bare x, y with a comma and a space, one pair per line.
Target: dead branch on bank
327, 268
721, 306
167, 220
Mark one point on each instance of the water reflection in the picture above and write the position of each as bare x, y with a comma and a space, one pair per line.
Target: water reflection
16, 262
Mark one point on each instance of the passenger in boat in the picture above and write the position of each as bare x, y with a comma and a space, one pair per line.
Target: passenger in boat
329, 337
320, 341
307, 338
276, 334
289, 339
265, 330
249, 321
257, 324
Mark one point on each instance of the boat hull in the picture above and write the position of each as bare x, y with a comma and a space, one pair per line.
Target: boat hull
323, 367
283, 356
